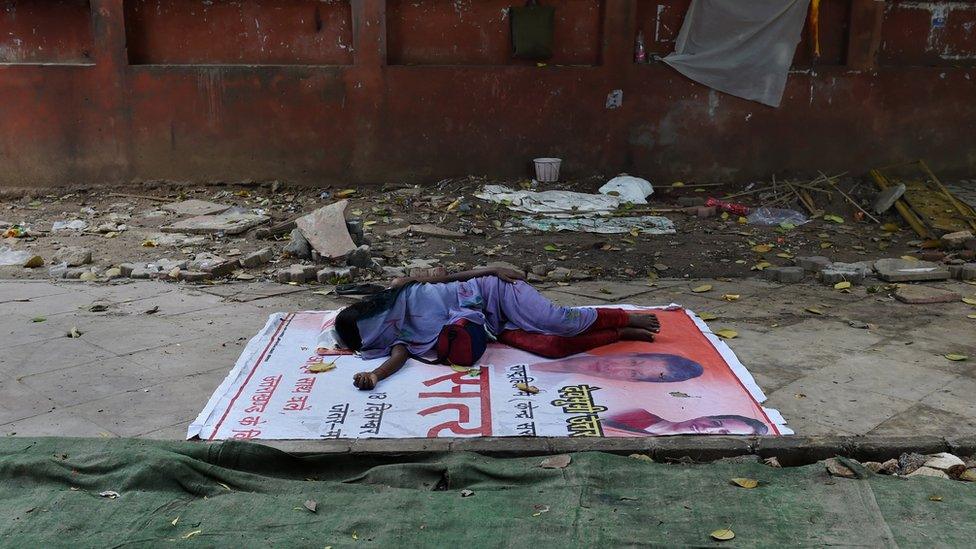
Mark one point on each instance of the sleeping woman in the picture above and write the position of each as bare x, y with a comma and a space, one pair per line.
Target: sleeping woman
408, 319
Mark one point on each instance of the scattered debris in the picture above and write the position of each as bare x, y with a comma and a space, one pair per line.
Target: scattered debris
603, 225
226, 223
629, 189
549, 202
326, 231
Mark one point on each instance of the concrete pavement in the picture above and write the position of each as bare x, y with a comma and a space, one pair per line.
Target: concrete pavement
133, 374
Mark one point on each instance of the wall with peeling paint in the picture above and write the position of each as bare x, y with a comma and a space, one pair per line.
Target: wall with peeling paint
370, 91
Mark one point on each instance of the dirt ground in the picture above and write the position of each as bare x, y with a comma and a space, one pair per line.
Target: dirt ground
702, 248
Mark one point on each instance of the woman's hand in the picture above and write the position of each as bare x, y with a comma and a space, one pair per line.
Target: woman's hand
508, 275
365, 381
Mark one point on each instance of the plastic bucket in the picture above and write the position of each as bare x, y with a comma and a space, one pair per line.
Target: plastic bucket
547, 169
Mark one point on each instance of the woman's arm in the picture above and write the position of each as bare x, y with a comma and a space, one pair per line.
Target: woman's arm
508, 275
368, 380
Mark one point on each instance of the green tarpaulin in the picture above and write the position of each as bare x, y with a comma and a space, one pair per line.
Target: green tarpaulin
245, 495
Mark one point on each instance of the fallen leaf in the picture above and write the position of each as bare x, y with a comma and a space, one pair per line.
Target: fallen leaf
724, 216
556, 462
98, 308
970, 300
454, 205
785, 255
635, 232
38, 319
467, 493
174, 521
641, 457
191, 534
73, 333
678, 184
889, 228
799, 395
727, 334
702, 289
724, 534
110, 494
731, 297
956, 358
707, 316
311, 505
152, 311
551, 248
345, 193
825, 245
814, 310
747, 483
972, 316
968, 475
762, 248
526, 388
842, 285
909, 258
834, 218
355, 535
540, 509
148, 243
762, 265
742, 220
934, 497
322, 367
457, 368
679, 394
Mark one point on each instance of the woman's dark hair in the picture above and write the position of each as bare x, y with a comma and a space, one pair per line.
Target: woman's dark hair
347, 319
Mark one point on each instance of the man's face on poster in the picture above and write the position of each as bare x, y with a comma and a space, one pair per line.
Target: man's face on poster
646, 367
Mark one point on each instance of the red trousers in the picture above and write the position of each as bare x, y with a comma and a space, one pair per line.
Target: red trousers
604, 331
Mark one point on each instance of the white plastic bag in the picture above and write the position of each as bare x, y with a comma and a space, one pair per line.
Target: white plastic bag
629, 189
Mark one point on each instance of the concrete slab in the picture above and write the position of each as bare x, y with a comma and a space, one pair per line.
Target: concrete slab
48, 355
924, 420
195, 207
924, 295
902, 270
325, 229
827, 403
230, 224
955, 397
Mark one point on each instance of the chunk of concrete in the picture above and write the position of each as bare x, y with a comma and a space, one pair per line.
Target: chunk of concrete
956, 240
963, 272
813, 264
194, 276
360, 257
298, 246
226, 223
195, 207
854, 273
923, 295
903, 270
73, 256
297, 273
785, 275
257, 258
326, 231
887, 198
336, 275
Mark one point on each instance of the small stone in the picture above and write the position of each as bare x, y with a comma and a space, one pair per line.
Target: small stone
296, 273
216, 265
909, 462
88, 276
360, 257
127, 268
298, 247
927, 472
174, 273
956, 240
691, 201
902, 270
34, 262
785, 275
336, 275
113, 273
355, 228
932, 255
560, 273
257, 258
873, 466
970, 244
889, 467
167, 265
838, 469
74, 274
539, 270
967, 255
813, 264
922, 295
887, 198
73, 256
968, 475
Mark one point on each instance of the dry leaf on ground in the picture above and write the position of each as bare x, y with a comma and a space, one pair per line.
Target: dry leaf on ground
724, 534
747, 483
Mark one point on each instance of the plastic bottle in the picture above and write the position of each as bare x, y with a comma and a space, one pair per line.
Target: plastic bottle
640, 49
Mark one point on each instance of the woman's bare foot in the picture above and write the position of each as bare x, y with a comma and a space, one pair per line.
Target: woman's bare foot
636, 334
647, 322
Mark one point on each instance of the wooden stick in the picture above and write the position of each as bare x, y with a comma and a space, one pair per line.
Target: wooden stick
849, 199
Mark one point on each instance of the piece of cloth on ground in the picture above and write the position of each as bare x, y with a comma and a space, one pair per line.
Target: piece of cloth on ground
741, 48
240, 494
687, 381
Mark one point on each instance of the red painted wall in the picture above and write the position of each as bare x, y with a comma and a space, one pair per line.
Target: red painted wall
370, 91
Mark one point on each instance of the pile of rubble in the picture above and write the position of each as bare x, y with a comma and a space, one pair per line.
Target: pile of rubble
941, 465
